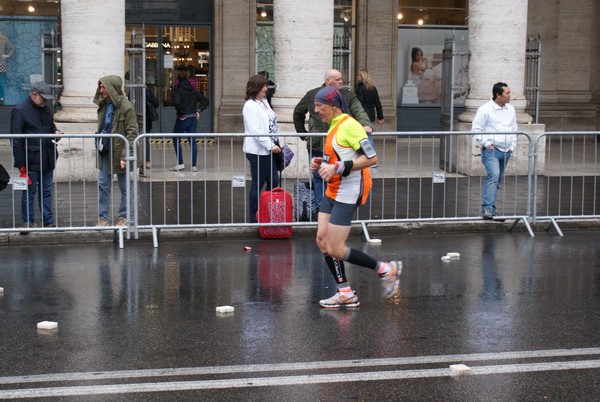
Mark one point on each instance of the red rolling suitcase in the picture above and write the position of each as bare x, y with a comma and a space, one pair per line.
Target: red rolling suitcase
275, 206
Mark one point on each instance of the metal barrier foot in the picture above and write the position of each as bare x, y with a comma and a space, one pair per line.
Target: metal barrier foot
525, 222
118, 237
556, 227
366, 233
155, 233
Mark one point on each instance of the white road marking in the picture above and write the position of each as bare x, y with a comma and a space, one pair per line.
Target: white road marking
329, 364
296, 379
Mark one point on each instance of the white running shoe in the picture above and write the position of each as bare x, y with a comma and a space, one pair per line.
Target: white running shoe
391, 279
346, 299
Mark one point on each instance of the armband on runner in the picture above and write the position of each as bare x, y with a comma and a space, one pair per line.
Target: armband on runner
343, 167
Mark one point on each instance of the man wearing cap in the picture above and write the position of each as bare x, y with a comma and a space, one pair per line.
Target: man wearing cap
34, 156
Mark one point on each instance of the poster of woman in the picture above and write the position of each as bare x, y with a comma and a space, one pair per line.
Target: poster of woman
425, 71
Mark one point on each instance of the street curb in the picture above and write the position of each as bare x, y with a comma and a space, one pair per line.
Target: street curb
375, 229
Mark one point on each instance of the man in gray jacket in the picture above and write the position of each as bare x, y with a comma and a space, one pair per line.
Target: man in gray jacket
316, 125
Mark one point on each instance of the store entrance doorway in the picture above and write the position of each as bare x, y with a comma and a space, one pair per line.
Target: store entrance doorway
170, 50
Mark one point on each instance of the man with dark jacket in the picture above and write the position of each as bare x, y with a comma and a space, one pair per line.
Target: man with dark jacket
316, 125
35, 157
186, 100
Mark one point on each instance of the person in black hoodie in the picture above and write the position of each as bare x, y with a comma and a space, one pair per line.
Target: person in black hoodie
35, 157
186, 99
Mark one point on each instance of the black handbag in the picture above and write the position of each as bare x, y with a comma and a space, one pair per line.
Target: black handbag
4, 178
279, 161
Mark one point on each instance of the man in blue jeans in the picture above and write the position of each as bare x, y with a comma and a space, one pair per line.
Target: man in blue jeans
35, 157
495, 123
116, 115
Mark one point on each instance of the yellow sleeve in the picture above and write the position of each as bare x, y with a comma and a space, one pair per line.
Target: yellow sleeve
352, 132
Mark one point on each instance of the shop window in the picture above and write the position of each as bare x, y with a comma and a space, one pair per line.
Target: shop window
420, 54
432, 12
23, 27
423, 26
21, 55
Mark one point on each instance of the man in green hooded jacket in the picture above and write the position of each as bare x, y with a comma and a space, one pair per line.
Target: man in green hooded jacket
116, 114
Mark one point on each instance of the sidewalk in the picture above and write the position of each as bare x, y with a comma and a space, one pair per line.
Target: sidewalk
207, 197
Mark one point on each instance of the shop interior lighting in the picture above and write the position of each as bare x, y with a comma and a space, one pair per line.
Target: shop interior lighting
31, 9
400, 16
263, 13
421, 21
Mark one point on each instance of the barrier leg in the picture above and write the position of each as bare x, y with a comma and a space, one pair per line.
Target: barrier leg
556, 227
366, 233
525, 222
121, 245
528, 226
155, 236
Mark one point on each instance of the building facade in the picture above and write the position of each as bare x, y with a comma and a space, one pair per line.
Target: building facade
223, 42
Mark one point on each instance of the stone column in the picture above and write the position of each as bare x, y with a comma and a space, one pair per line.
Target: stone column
376, 50
232, 61
303, 38
93, 45
497, 44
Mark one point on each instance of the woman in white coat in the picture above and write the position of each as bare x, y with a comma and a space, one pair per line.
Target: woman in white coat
260, 121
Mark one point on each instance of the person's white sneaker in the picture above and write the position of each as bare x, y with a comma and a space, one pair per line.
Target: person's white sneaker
390, 280
346, 299
194, 169
177, 168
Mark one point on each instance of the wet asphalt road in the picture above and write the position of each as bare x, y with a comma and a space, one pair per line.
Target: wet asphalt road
140, 324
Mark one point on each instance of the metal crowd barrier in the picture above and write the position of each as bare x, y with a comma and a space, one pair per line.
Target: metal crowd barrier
439, 176
421, 177
74, 194
567, 182
213, 196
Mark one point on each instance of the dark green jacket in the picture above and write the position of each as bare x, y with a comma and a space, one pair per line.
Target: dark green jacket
124, 120
315, 125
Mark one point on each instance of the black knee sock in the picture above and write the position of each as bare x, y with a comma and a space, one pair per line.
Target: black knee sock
336, 267
357, 257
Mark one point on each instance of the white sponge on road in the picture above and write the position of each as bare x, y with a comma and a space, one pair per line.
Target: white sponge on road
47, 325
456, 369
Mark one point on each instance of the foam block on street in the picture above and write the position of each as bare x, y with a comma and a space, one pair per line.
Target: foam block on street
446, 258
454, 256
225, 309
375, 241
1, 290
47, 325
459, 369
